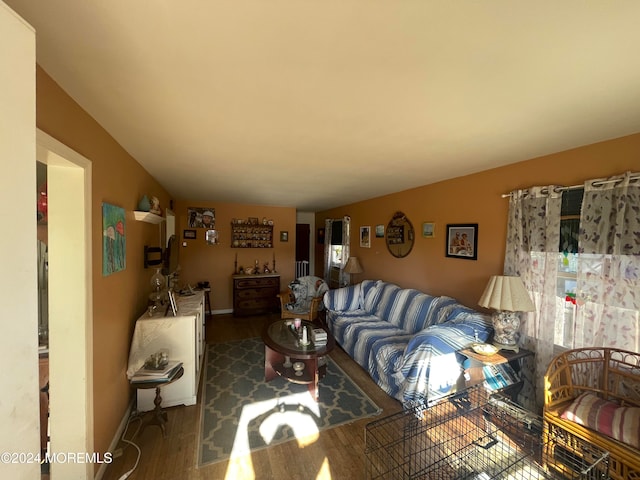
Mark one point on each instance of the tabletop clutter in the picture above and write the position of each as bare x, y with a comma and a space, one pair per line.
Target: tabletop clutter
157, 368
306, 335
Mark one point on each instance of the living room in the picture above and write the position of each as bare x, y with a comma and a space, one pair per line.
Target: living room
117, 178
425, 268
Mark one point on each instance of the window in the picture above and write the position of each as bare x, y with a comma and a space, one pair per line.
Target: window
568, 264
336, 244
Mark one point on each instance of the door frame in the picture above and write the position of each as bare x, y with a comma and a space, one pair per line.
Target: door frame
70, 303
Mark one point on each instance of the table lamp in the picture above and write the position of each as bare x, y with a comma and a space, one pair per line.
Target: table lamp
506, 295
353, 266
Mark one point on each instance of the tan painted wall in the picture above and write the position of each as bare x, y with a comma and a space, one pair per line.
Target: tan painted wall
119, 298
199, 261
470, 199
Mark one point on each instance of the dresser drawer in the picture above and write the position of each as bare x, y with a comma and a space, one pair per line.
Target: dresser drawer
253, 295
257, 293
254, 303
273, 282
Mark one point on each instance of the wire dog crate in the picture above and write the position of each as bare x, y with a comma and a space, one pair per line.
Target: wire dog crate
474, 436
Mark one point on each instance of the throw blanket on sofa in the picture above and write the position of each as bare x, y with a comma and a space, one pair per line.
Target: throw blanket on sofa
406, 339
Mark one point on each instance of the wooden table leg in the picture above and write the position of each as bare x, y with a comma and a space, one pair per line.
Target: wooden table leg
158, 416
270, 357
313, 386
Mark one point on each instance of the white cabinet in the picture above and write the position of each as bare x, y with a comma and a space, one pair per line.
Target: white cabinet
183, 335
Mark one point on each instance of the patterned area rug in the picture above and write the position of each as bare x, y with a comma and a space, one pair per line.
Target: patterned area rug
242, 413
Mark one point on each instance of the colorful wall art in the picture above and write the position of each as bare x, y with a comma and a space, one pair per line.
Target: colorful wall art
113, 239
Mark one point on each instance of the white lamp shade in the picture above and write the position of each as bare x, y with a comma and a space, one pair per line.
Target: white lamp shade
353, 266
506, 293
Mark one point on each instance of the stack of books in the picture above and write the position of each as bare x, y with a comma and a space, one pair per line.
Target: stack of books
163, 374
497, 377
319, 336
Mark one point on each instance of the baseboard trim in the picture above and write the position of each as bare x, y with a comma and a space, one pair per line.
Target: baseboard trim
222, 312
116, 438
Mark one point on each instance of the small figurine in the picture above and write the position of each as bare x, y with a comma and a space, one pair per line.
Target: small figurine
266, 268
155, 206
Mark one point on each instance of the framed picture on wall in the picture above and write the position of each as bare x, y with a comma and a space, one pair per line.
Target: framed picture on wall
365, 237
462, 241
114, 241
189, 234
379, 231
201, 217
429, 230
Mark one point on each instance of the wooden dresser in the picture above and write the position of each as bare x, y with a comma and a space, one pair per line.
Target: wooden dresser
255, 294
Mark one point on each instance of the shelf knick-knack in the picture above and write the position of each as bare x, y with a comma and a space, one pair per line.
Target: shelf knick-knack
144, 205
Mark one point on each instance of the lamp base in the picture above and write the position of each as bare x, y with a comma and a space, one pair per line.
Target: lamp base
506, 326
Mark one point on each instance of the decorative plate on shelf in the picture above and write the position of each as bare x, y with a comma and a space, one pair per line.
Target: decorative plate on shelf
484, 349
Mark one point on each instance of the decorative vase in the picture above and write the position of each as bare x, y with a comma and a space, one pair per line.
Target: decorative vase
144, 205
158, 282
158, 288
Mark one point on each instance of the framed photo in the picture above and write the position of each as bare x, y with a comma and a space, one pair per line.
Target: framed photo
201, 217
284, 236
189, 234
173, 306
365, 237
211, 237
379, 231
321, 235
462, 241
429, 230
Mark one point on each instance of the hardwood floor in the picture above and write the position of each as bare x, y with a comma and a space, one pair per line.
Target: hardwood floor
337, 453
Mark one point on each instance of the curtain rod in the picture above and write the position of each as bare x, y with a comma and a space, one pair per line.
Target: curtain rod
634, 176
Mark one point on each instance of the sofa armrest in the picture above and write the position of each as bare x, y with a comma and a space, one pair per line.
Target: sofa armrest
431, 363
343, 299
453, 335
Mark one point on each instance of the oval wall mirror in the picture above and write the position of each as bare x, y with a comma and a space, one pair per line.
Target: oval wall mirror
400, 235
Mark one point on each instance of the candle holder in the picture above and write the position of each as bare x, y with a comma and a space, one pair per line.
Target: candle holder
298, 367
305, 337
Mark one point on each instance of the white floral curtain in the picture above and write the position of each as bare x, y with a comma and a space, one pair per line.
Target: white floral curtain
533, 236
608, 278
607, 312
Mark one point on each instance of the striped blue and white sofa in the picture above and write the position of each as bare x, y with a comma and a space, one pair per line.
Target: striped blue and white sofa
406, 339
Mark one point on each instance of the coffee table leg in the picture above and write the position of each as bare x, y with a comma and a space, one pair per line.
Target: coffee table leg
313, 386
270, 357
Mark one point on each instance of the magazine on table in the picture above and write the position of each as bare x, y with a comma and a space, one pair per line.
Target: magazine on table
146, 374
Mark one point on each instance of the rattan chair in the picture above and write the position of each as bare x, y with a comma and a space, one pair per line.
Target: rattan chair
610, 374
311, 314
303, 299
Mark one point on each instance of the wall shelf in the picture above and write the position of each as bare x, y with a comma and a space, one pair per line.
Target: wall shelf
247, 235
148, 217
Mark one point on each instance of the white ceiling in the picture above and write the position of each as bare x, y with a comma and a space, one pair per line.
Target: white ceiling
315, 104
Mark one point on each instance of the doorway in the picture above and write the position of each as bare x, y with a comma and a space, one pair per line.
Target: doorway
303, 247
70, 333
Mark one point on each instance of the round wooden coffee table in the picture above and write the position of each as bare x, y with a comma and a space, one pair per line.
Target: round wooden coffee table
284, 355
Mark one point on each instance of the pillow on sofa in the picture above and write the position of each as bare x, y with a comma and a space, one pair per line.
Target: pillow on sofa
606, 417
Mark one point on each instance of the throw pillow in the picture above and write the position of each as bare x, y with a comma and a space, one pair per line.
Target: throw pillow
606, 417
